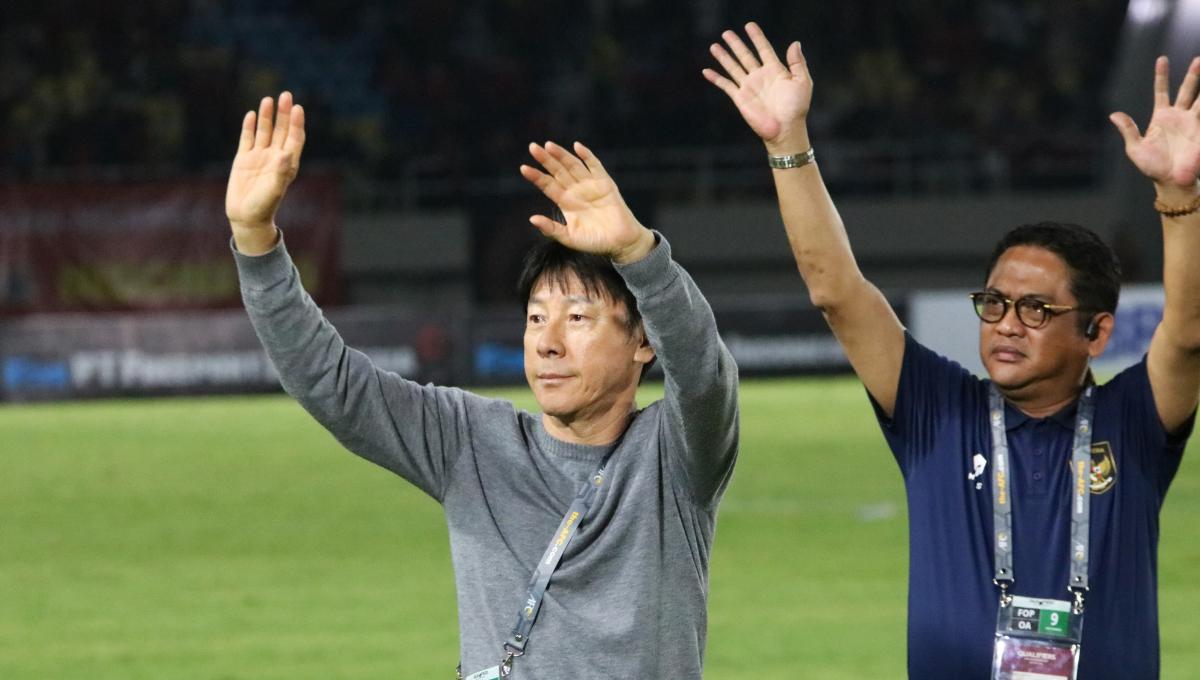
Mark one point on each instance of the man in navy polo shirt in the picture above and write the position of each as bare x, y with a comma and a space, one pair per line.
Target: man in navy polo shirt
1045, 310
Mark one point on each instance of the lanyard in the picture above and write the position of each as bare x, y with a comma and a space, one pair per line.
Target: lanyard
1081, 465
558, 545
540, 581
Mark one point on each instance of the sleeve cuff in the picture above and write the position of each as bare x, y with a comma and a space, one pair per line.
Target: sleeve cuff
653, 272
260, 272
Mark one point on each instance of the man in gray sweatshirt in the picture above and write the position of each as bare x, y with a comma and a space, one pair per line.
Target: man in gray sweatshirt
629, 496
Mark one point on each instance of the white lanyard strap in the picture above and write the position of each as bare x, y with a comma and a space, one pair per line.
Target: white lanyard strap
1002, 499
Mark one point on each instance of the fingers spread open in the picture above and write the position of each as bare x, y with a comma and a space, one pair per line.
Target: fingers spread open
295, 135
727, 62
552, 165
594, 166
1127, 128
1161, 97
766, 53
246, 142
1187, 90
545, 183
282, 117
721, 81
576, 168
573, 165
266, 109
743, 53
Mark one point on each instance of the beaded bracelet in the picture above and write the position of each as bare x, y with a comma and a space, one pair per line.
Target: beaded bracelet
1167, 211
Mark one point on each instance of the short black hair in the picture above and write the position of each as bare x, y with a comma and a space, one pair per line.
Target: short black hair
1095, 269
552, 261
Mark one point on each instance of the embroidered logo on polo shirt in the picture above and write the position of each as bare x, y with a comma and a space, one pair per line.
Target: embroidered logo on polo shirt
980, 463
1104, 468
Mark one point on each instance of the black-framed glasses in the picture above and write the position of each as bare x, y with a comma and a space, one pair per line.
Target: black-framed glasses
1031, 312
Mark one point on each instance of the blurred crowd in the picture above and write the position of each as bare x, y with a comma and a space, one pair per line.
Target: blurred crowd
160, 86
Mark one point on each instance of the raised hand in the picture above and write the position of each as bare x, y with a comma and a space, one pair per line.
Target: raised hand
267, 161
1169, 152
596, 218
772, 97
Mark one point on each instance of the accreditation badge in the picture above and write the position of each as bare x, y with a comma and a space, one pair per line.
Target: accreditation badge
1036, 640
492, 673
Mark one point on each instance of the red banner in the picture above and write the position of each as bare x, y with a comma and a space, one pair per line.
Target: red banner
130, 246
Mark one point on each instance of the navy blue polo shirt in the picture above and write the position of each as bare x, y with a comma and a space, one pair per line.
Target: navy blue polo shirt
939, 435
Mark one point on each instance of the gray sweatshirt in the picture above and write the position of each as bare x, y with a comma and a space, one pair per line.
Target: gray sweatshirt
629, 598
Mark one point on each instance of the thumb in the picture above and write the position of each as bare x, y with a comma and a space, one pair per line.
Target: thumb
1127, 128
548, 227
797, 64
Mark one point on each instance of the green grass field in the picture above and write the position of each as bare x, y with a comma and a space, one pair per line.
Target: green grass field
224, 538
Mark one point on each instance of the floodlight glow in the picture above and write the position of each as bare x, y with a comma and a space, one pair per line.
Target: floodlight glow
1147, 11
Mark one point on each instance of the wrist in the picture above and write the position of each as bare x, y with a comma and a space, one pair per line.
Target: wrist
1175, 194
1174, 201
254, 239
789, 143
636, 250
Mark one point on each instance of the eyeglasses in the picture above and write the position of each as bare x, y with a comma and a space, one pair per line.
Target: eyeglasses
1031, 312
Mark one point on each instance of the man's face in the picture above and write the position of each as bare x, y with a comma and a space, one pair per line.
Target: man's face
580, 357
1024, 360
